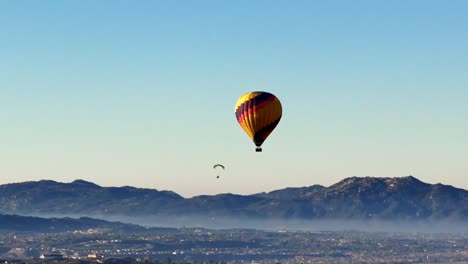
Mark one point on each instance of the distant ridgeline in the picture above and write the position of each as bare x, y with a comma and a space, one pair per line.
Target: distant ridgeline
403, 198
48, 225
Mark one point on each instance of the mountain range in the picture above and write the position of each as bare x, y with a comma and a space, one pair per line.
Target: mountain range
19, 223
398, 198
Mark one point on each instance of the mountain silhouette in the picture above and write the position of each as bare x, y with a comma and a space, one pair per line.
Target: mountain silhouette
398, 198
50, 225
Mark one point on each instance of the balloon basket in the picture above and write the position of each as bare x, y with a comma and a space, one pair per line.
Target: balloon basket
258, 150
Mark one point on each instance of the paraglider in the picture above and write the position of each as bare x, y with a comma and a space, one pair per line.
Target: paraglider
218, 168
218, 165
258, 113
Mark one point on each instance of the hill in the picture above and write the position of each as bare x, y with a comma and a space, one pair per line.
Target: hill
398, 198
18, 223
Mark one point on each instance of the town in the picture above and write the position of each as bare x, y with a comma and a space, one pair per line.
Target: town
199, 245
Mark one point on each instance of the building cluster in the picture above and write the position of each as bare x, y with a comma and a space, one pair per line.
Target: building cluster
238, 246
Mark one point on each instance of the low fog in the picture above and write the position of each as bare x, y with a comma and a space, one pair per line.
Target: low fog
443, 226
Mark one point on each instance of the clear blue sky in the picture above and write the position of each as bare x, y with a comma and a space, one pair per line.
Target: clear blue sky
142, 93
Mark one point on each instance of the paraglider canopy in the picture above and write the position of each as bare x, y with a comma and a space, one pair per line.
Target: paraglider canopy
219, 169
218, 165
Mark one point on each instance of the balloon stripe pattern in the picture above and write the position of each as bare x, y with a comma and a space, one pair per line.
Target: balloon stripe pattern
258, 113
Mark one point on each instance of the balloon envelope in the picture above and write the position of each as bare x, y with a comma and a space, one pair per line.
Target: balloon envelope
258, 113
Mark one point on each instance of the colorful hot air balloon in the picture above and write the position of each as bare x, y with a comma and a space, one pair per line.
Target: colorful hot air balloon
258, 113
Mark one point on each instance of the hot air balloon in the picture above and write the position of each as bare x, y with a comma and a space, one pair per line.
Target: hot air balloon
258, 113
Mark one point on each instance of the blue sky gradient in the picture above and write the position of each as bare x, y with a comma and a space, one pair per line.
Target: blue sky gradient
142, 93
